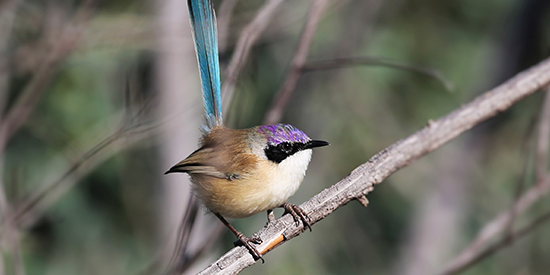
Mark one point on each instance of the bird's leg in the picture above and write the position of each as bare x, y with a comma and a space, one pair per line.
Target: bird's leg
297, 213
243, 239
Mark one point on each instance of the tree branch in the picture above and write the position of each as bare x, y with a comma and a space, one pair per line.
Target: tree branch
283, 95
247, 39
362, 180
224, 17
504, 221
541, 168
30, 96
502, 243
338, 63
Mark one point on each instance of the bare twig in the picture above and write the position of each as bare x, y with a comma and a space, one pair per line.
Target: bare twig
283, 95
30, 95
29, 210
28, 205
19, 269
247, 39
362, 180
541, 160
195, 255
24, 105
376, 61
224, 17
504, 221
543, 140
497, 226
184, 233
7, 16
502, 243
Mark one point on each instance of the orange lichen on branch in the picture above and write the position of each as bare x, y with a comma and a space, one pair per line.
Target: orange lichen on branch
273, 243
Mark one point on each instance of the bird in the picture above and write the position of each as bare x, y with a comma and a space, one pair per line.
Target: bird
237, 173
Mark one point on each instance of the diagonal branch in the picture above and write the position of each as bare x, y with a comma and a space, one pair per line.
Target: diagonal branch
30, 96
247, 39
224, 17
502, 243
504, 221
298, 61
543, 141
362, 180
376, 61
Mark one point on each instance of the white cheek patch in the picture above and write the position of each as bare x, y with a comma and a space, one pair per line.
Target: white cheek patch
291, 172
296, 164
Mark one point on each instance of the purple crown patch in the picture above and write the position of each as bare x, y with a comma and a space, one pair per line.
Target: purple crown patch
279, 133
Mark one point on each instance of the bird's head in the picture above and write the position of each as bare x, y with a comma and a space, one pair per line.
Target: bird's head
282, 141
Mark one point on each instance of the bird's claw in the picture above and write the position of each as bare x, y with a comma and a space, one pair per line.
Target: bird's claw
245, 241
298, 214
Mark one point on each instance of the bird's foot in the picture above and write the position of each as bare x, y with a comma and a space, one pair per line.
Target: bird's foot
298, 214
245, 241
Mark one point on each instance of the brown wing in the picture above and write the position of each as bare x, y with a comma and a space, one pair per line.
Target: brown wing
223, 154
198, 163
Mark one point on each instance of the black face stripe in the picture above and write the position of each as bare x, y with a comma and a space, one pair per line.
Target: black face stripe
281, 151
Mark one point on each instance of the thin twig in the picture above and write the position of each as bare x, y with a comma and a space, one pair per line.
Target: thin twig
192, 258
499, 224
283, 95
23, 107
362, 180
224, 19
504, 221
28, 205
502, 243
179, 258
7, 17
24, 213
19, 269
30, 96
27, 211
377, 61
543, 140
541, 160
247, 39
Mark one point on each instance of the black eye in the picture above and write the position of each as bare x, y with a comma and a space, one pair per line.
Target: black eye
281, 151
286, 147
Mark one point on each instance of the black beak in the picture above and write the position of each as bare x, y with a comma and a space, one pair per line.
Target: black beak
177, 169
172, 170
316, 143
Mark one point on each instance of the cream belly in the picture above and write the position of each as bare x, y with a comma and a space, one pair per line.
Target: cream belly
268, 188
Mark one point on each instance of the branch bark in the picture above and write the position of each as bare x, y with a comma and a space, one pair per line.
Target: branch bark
246, 40
31, 94
500, 244
503, 222
224, 17
298, 61
362, 180
541, 169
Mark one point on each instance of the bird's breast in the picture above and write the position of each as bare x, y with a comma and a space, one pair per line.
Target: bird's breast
286, 177
265, 187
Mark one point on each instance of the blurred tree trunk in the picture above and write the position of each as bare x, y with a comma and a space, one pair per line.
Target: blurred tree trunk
180, 110
438, 220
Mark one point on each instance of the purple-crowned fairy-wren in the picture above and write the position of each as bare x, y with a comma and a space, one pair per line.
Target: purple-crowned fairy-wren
238, 173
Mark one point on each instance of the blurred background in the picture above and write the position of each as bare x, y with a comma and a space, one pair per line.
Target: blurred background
99, 98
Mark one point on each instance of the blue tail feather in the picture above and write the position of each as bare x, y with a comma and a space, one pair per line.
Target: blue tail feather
205, 34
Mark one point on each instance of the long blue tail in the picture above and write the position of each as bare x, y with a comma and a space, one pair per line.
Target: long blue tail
205, 34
